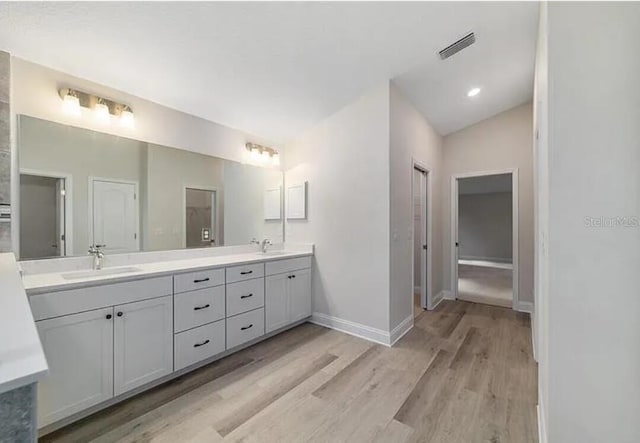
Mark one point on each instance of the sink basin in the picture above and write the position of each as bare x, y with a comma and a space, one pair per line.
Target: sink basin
99, 273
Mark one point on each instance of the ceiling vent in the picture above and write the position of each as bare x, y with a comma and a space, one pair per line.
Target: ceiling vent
458, 46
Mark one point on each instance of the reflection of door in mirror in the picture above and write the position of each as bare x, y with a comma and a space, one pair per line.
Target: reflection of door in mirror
200, 213
115, 215
42, 216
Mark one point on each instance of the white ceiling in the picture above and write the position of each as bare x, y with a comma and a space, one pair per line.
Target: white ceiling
274, 69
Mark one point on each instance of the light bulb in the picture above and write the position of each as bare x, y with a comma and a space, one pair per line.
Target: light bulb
255, 155
102, 112
126, 118
276, 159
71, 104
265, 157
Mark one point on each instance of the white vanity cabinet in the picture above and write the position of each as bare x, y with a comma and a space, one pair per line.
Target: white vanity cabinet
79, 351
143, 343
287, 292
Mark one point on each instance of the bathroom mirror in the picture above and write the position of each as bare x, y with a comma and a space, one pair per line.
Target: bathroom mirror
80, 188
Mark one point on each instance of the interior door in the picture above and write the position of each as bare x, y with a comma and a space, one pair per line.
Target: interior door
40, 217
115, 216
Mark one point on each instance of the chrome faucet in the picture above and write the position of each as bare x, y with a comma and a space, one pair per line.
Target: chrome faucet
98, 256
266, 242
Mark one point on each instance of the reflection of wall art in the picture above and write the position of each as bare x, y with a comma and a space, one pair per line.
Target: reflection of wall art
297, 201
272, 203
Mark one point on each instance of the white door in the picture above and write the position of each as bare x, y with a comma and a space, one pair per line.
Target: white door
143, 342
276, 301
79, 351
115, 216
300, 295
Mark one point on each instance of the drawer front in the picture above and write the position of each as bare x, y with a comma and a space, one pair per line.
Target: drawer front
245, 296
197, 280
245, 272
288, 265
198, 344
196, 308
245, 327
56, 304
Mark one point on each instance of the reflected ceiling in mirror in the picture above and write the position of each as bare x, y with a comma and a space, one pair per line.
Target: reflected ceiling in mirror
80, 188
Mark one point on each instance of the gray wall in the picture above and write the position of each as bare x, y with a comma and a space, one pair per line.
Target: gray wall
504, 141
5, 147
485, 225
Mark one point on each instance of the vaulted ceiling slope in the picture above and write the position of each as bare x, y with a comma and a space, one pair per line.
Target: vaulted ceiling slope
274, 69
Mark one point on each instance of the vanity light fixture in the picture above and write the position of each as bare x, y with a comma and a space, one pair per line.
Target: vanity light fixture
102, 111
70, 102
473, 92
126, 117
103, 108
263, 154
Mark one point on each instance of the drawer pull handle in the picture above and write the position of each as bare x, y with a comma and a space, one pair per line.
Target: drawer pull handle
246, 272
246, 296
197, 345
197, 308
246, 327
202, 280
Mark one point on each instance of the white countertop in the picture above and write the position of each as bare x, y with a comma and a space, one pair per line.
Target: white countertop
54, 281
22, 359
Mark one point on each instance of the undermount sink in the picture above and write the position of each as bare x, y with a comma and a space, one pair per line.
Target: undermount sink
99, 272
269, 253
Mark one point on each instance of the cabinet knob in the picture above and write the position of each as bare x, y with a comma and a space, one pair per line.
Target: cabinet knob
109, 316
119, 314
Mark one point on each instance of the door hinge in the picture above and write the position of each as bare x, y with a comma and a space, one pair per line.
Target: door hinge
135, 196
135, 236
62, 237
424, 247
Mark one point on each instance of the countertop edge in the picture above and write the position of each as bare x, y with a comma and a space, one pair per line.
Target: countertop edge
110, 279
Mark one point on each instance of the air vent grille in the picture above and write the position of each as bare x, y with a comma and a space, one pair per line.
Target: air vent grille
458, 46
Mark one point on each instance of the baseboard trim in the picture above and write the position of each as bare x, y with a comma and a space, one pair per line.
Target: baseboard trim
400, 330
525, 306
352, 328
438, 299
542, 426
492, 259
447, 295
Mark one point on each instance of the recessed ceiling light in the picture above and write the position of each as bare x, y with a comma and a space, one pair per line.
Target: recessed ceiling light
473, 92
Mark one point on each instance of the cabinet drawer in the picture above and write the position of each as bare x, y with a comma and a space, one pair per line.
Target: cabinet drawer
245, 327
198, 344
245, 296
196, 308
197, 280
288, 265
244, 272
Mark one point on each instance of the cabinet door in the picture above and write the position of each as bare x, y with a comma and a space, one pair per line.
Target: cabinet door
143, 348
300, 294
276, 302
79, 351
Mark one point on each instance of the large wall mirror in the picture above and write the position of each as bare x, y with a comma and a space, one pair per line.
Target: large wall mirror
80, 188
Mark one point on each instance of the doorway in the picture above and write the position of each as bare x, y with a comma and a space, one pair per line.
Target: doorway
43, 227
200, 218
114, 214
421, 234
485, 238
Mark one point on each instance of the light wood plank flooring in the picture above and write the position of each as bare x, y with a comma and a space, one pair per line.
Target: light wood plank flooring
465, 373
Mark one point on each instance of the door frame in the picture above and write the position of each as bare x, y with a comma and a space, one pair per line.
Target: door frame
216, 221
426, 289
93, 179
68, 204
453, 229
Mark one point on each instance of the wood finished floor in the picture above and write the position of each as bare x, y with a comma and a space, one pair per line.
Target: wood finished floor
464, 373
